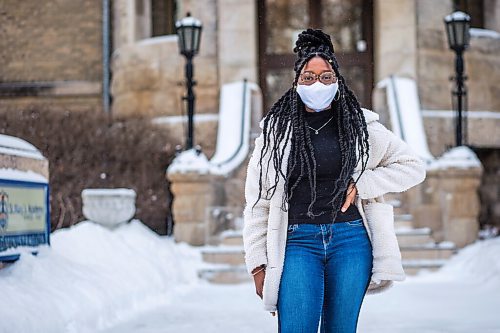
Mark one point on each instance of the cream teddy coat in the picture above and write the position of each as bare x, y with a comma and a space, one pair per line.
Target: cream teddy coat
392, 167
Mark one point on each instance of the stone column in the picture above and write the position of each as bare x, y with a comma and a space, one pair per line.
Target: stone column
237, 40
193, 192
131, 21
123, 23
450, 200
460, 201
395, 25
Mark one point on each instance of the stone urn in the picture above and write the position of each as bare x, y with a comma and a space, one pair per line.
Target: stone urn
109, 207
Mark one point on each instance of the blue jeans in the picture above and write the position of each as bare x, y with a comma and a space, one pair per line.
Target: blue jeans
326, 273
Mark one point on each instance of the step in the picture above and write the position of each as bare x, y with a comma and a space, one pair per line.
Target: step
413, 236
403, 220
413, 244
403, 224
415, 266
223, 254
431, 250
406, 236
225, 274
234, 237
233, 274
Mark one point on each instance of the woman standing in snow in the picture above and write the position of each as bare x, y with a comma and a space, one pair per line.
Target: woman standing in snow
307, 240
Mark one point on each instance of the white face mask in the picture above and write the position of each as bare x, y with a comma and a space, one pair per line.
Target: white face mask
317, 96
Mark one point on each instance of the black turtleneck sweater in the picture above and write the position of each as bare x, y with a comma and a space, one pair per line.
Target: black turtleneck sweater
328, 165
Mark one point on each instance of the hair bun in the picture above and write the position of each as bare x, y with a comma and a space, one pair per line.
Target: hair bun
311, 40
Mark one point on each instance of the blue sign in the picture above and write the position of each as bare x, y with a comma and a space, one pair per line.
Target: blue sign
24, 216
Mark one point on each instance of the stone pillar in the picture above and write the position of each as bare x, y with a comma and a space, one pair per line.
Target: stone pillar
459, 195
131, 21
450, 200
123, 23
237, 40
395, 25
193, 193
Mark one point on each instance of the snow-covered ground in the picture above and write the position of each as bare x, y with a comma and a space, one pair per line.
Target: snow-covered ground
132, 280
92, 278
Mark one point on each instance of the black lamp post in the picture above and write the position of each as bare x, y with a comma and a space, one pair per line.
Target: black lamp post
457, 28
189, 32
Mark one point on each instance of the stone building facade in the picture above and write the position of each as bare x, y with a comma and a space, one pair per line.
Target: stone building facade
51, 54
253, 39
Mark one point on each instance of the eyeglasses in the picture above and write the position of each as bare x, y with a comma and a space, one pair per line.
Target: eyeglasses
309, 78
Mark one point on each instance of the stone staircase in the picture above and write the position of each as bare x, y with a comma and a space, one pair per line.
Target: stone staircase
225, 262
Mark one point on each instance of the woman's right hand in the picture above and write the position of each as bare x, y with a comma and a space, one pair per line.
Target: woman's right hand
259, 280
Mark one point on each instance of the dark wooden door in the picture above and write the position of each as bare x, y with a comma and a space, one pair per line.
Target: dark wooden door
348, 22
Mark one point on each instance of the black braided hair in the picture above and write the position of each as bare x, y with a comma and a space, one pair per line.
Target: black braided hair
289, 109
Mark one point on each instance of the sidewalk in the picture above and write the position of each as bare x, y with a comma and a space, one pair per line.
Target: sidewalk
418, 305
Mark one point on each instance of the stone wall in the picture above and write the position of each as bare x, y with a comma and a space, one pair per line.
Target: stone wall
435, 66
148, 73
147, 78
45, 45
410, 41
50, 41
436, 62
440, 130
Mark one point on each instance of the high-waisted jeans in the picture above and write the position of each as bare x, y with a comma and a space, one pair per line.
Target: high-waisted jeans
326, 274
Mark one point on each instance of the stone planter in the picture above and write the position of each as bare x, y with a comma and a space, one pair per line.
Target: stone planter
109, 207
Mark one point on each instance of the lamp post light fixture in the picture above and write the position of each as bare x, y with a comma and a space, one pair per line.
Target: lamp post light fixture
188, 30
457, 29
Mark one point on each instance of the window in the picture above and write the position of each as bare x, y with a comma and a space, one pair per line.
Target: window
164, 16
475, 8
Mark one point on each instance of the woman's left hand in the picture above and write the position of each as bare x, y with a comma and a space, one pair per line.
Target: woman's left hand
351, 196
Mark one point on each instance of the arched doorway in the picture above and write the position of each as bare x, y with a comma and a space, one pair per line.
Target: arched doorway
349, 22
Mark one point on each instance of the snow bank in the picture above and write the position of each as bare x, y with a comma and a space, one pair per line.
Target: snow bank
91, 278
478, 262
461, 157
461, 297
